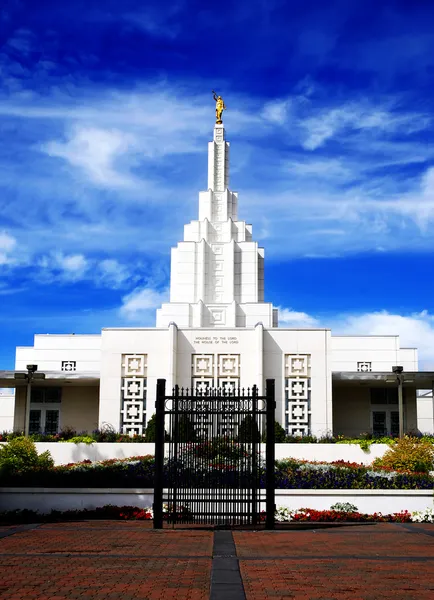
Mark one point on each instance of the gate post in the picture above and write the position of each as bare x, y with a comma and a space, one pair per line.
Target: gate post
270, 455
255, 446
175, 441
159, 453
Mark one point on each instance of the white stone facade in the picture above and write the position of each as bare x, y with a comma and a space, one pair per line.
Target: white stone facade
217, 272
217, 331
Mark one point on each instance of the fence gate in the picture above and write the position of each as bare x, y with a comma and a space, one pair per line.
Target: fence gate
214, 471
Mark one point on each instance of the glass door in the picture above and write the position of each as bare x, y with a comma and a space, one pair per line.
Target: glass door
51, 421
385, 422
394, 423
44, 420
379, 426
35, 420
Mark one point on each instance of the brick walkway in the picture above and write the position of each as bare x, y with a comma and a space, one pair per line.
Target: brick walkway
128, 560
358, 563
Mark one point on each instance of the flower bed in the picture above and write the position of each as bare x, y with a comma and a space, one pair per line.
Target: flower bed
110, 436
350, 514
344, 513
138, 472
293, 474
82, 437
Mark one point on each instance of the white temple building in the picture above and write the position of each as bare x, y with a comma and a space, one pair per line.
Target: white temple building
218, 331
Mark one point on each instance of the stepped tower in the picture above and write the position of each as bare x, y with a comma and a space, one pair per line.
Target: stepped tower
217, 271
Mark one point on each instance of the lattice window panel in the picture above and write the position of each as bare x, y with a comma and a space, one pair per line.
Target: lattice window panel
202, 372
228, 365
69, 365
202, 385
222, 371
133, 393
201, 419
203, 365
228, 385
229, 419
298, 394
364, 367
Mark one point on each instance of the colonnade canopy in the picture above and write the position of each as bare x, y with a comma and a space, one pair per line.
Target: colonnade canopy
418, 380
15, 379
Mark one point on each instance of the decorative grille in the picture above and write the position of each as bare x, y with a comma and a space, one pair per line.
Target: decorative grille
133, 393
221, 370
211, 371
364, 367
297, 394
69, 365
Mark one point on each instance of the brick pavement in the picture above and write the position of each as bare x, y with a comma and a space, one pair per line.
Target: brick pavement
105, 560
98, 560
370, 562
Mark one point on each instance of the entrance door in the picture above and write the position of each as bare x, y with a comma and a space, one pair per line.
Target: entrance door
394, 423
379, 427
44, 420
385, 422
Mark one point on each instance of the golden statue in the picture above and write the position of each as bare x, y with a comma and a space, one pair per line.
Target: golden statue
219, 108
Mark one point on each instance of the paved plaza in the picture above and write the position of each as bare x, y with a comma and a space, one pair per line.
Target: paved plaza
129, 560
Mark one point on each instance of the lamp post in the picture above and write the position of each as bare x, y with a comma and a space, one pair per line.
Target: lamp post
29, 377
398, 370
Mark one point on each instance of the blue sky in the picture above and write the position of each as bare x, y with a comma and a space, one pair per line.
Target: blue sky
105, 115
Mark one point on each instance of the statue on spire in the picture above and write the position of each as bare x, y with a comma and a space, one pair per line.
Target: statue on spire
219, 108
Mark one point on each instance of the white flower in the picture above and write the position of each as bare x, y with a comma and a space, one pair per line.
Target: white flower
423, 516
383, 474
312, 467
283, 513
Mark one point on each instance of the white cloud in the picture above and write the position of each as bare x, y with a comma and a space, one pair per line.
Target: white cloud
320, 128
416, 330
291, 318
7, 245
358, 116
112, 273
69, 267
107, 272
95, 151
333, 168
7, 242
141, 303
75, 263
366, 217
133, 157
276, 111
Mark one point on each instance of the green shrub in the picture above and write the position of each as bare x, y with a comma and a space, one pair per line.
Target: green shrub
186, 430
20, 455
345, 507
408, 454
80, 439
279, 434
248, 431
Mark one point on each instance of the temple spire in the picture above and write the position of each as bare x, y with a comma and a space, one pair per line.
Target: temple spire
218, 161
217, 271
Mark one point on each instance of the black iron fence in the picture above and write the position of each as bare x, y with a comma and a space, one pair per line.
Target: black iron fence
214, 471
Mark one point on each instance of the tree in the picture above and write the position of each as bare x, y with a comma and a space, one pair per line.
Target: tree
248, 431
186, 430
151, 429
279, 434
